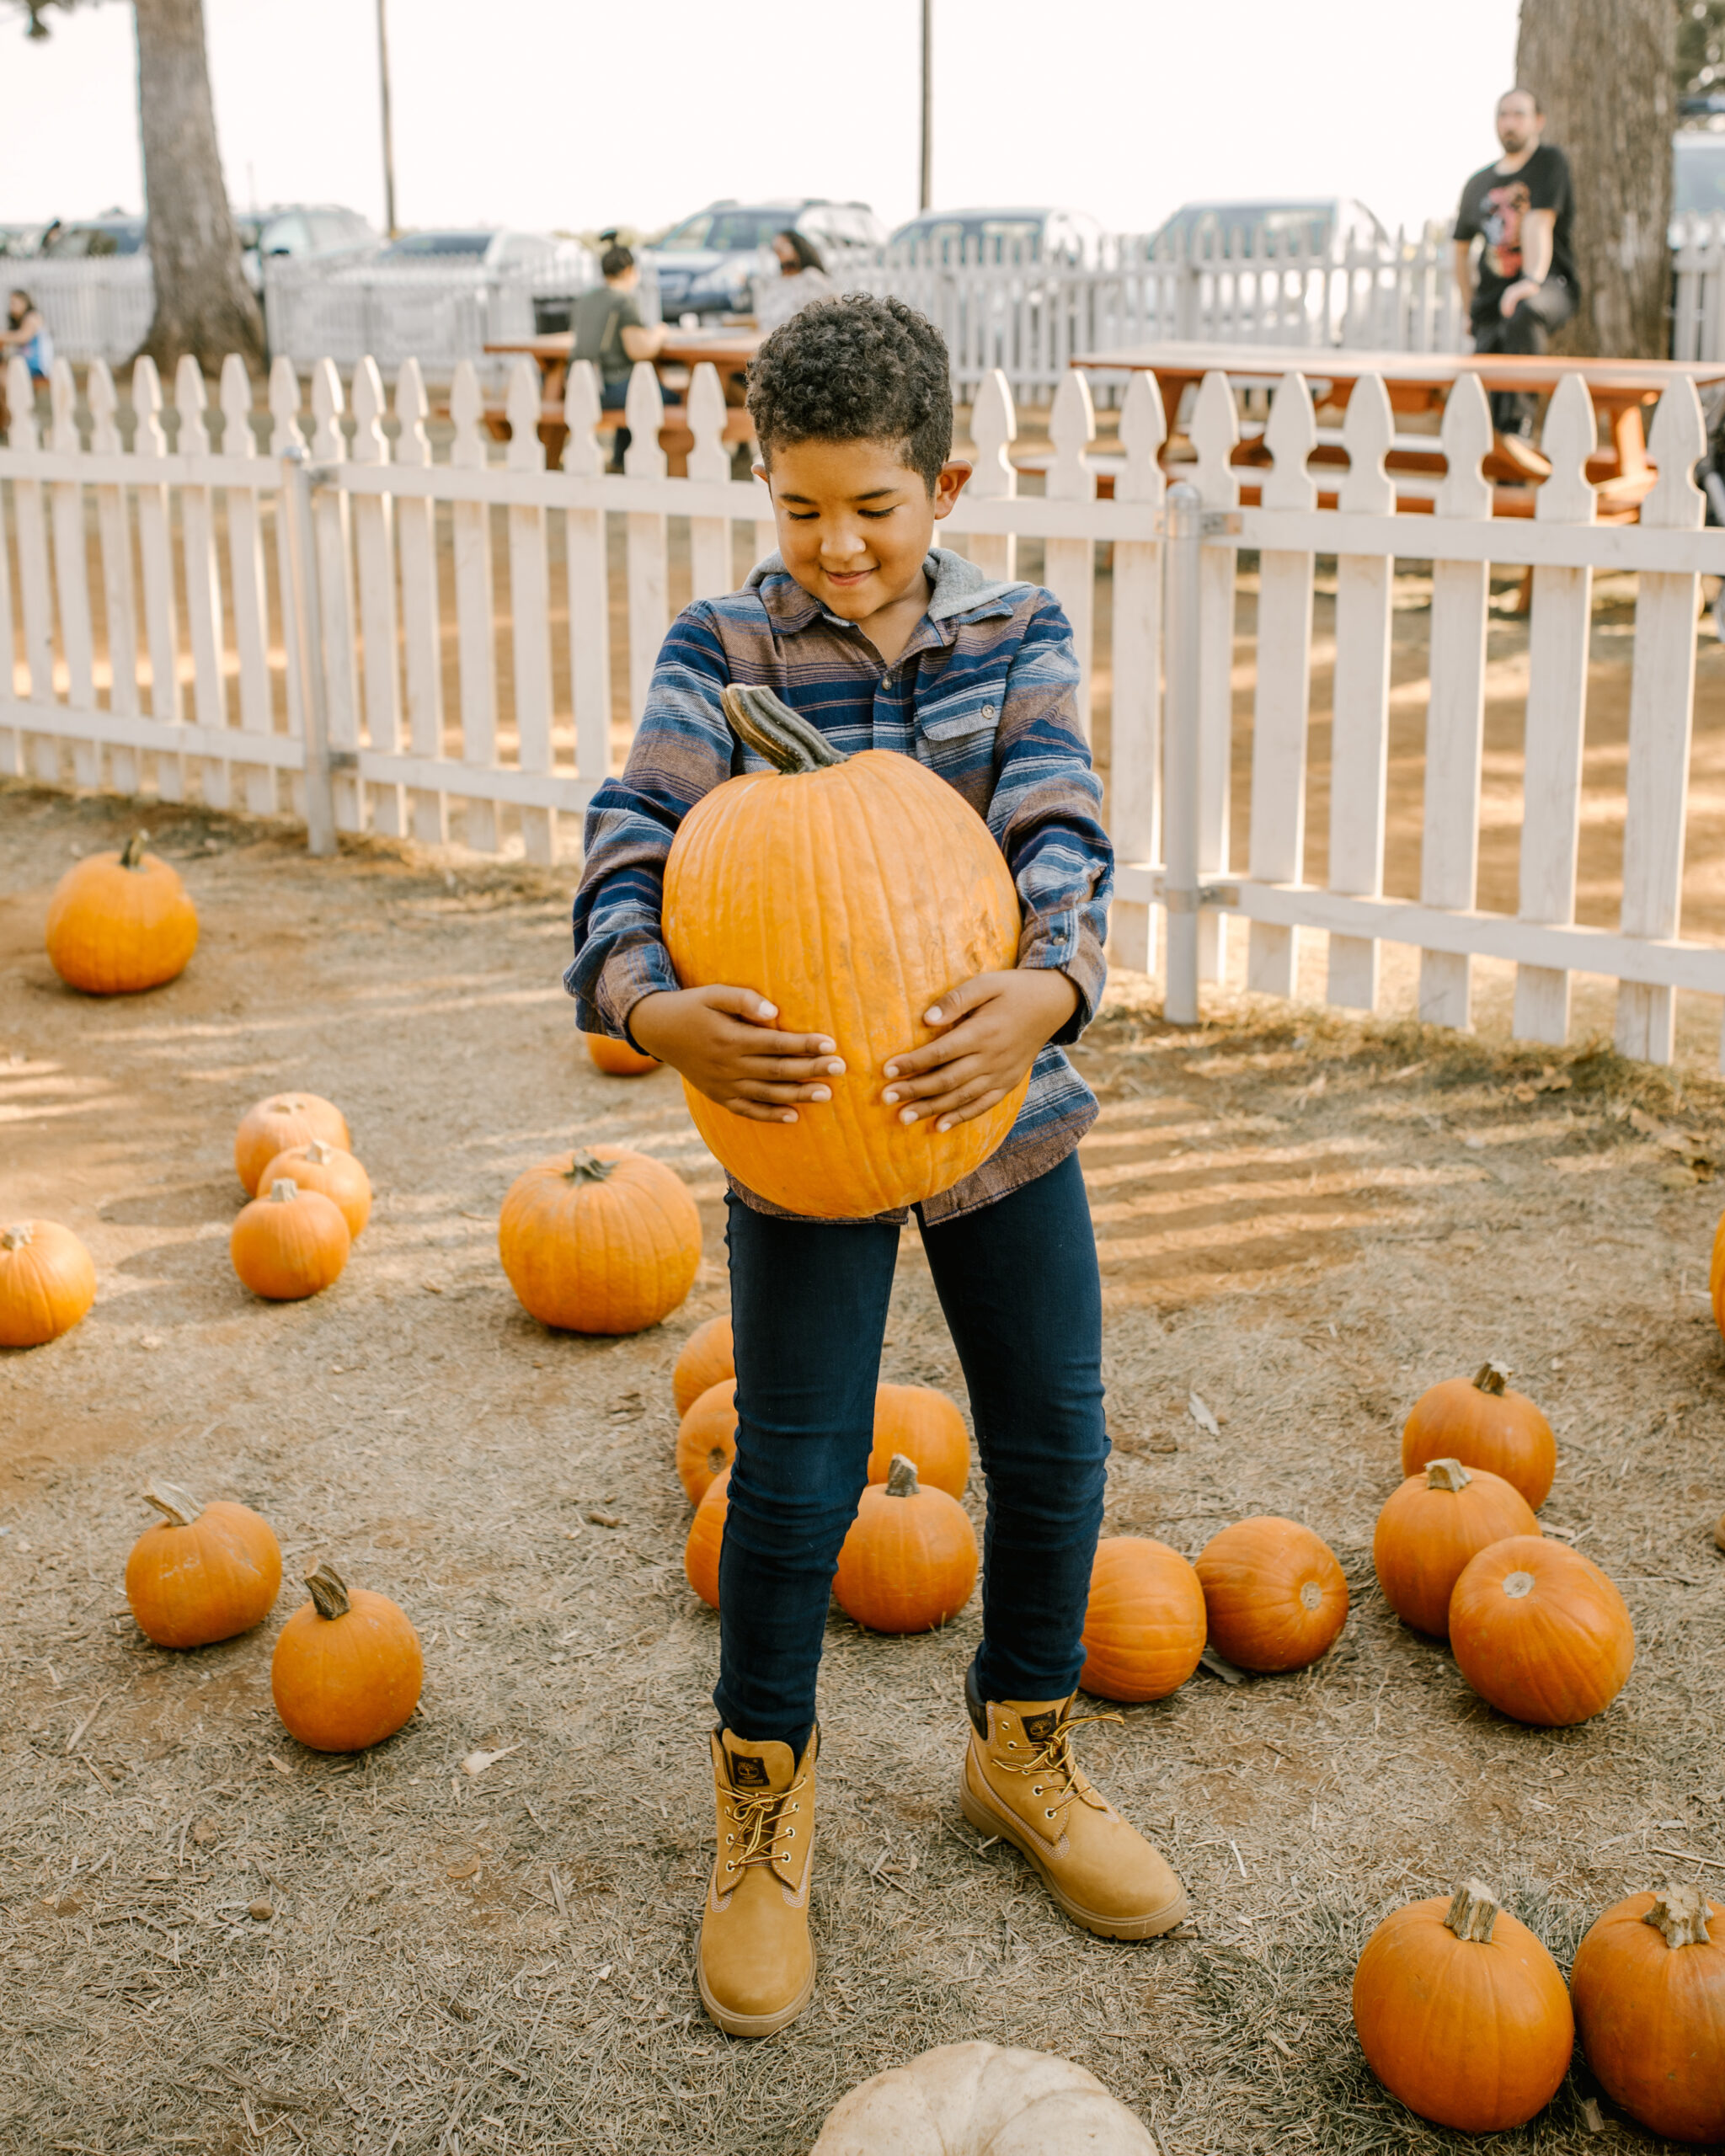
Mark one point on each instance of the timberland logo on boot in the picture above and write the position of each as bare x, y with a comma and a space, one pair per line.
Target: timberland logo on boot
1038, 1728
747, 1773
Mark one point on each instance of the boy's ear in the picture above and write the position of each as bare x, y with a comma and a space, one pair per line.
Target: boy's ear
949, 484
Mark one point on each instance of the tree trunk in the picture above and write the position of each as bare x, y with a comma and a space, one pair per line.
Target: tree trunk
1604, 71
204, 305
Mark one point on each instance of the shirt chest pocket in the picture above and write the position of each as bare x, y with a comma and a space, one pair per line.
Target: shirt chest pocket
955, 733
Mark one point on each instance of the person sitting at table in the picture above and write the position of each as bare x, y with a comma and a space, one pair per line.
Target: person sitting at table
609, 331
1521, 209
802, 277
26, 334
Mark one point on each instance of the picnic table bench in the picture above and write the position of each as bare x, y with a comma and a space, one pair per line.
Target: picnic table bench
729, 350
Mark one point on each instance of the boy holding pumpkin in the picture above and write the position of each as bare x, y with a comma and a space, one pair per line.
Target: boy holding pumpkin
880, 641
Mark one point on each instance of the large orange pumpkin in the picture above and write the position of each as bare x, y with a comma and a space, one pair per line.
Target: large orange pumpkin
330, 1169
119, 922
706, 1438
1463, 2014
1482, 1423
1144, 1627
47, 1281
708, 1355
909, 1562
706, 1536
600, 1240
1434, 1526
1648, 1988
347, 1668
1540, 1631
617, 1059
925, 1426
1274, 1596
271, 1126
291, 1244
852, 893
201, 1572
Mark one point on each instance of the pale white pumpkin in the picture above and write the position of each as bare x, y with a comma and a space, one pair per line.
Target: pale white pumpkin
982, 2100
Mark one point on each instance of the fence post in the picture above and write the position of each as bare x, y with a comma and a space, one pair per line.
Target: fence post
305, 630
1184, 526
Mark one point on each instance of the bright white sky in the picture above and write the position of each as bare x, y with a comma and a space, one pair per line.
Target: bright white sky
544, 114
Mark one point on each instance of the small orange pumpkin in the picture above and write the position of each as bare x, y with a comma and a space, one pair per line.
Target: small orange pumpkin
330, 1169
708, 1355
347, 1668
1463, 2014
290, 1245
1482, 1423
1432, 1528
201, 1572
617, 1059
271, 1126
706, 1537
121, 922
1144, 1627
706, 1438
1274, 1596
47, 1281
925, 1426
1648, 1988
909, 1562
604, 1241
1540, 1631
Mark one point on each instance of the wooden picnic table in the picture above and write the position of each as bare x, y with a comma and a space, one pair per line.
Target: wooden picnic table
729, 349
1621, 390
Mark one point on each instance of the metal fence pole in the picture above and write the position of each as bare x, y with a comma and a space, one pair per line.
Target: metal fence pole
306, 631
1184, 526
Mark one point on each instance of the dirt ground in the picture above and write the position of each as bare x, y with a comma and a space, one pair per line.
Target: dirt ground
1304, 1222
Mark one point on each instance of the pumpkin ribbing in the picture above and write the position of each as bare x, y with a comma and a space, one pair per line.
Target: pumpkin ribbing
1649, 1989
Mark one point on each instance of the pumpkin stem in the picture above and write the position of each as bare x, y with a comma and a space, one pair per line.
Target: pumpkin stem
132, 853
1491, 1377
181, 1507
283, 1191
901, 1477
329, 1591
772, 730
1472, 1912
1446, 1475
1679, 1915
16, 1237
585, 1166
317, 1152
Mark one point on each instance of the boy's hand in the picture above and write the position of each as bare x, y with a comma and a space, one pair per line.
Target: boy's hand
723, 1041
993, 1027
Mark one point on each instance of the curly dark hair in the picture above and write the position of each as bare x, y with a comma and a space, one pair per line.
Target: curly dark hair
857, 369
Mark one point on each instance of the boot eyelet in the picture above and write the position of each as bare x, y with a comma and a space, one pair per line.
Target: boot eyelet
1047, 1814
790, 1834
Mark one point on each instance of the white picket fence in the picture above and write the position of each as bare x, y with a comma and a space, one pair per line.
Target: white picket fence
98, 307
269, 631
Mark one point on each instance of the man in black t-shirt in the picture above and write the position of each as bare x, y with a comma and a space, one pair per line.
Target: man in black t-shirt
1521, 209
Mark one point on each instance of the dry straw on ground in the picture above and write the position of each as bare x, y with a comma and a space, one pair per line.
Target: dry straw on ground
213, 1939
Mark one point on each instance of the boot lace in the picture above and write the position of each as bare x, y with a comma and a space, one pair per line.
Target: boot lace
759, 1818
1052, 1771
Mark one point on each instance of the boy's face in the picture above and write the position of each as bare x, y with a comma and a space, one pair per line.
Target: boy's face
854, 521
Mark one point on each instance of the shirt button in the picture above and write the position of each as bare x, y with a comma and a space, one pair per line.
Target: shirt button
988, 710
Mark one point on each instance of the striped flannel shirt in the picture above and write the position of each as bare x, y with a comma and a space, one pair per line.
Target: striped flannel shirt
983, 694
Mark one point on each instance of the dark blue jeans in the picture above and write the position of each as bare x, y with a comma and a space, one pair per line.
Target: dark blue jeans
1017, 1282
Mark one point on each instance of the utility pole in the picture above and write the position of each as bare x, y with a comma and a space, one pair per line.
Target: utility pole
389, 226
925, 192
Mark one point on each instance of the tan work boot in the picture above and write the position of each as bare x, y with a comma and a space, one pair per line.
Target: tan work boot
757, 1960
1022, 1782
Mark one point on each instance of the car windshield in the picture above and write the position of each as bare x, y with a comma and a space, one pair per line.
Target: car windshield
730, 231
1698, 178
991, 234
424, 243
97, 239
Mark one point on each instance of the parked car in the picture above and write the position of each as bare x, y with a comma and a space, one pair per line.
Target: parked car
1697, 173
18, 241
1004, 235
1330, 229
705, 265
111, 233
484, 246
303, 230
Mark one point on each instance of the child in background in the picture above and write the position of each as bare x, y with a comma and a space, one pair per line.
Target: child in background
882, 640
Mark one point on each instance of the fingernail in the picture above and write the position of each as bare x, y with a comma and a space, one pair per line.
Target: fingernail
765, 1009
907, 1115
821, 1093
826, 1047
835, 1069
945, 1123
789, 1116
892, 1071
932, 1016
889, 1095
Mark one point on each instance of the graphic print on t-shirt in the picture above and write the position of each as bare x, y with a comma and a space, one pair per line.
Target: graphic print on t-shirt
1504, 207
